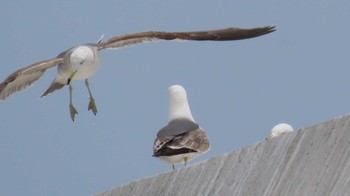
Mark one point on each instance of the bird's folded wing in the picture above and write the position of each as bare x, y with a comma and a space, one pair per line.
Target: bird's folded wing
214, 35
195, 140
23, 78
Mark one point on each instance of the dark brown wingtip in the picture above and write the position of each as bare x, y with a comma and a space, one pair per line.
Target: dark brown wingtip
259, 31
4, 84
227, 34
8, 80
271, 29
2, 88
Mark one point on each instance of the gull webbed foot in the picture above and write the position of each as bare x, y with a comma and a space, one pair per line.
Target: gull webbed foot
72, 111
92, 106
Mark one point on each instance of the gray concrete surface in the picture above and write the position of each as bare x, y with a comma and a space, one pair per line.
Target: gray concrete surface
311, 161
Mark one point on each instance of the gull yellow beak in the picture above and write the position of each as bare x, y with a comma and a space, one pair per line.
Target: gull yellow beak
269, 138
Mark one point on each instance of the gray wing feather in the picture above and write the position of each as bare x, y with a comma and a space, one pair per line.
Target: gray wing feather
23, 78
193, 141
177, 127
53, 86
196, 140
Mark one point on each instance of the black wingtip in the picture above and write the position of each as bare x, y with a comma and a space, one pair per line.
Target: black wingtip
267, 29
271, 28
262, 31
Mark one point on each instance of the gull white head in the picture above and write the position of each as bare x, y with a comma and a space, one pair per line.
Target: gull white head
280, 129
178, 104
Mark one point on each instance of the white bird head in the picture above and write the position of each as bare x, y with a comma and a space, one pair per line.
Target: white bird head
178, 104
280, 129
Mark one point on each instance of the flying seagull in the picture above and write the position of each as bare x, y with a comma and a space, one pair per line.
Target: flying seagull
182, 139
280, 129
82, 61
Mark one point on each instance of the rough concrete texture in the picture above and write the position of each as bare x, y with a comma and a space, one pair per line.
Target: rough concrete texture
310, 161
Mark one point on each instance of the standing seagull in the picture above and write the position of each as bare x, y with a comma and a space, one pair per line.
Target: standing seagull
182, 139
81, 62
280, 129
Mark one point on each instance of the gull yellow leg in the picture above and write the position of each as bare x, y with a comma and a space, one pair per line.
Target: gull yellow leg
72, 109
92, 105
185, 160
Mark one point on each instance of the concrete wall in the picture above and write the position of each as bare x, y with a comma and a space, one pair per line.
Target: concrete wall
311, 161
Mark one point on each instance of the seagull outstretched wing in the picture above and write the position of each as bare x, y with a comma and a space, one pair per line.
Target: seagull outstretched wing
23, 78
214, 35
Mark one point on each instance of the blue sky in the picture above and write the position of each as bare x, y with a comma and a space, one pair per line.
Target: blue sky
237, 90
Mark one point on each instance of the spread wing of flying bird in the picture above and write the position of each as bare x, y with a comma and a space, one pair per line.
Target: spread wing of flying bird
82, 61
22, 78
228, 34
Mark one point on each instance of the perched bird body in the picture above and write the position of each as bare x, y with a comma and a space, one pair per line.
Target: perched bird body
182, 139
81, 62
280, 129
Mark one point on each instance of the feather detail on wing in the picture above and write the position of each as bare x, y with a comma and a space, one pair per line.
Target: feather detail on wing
53, 86
193, 141
213, 35
23, 78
